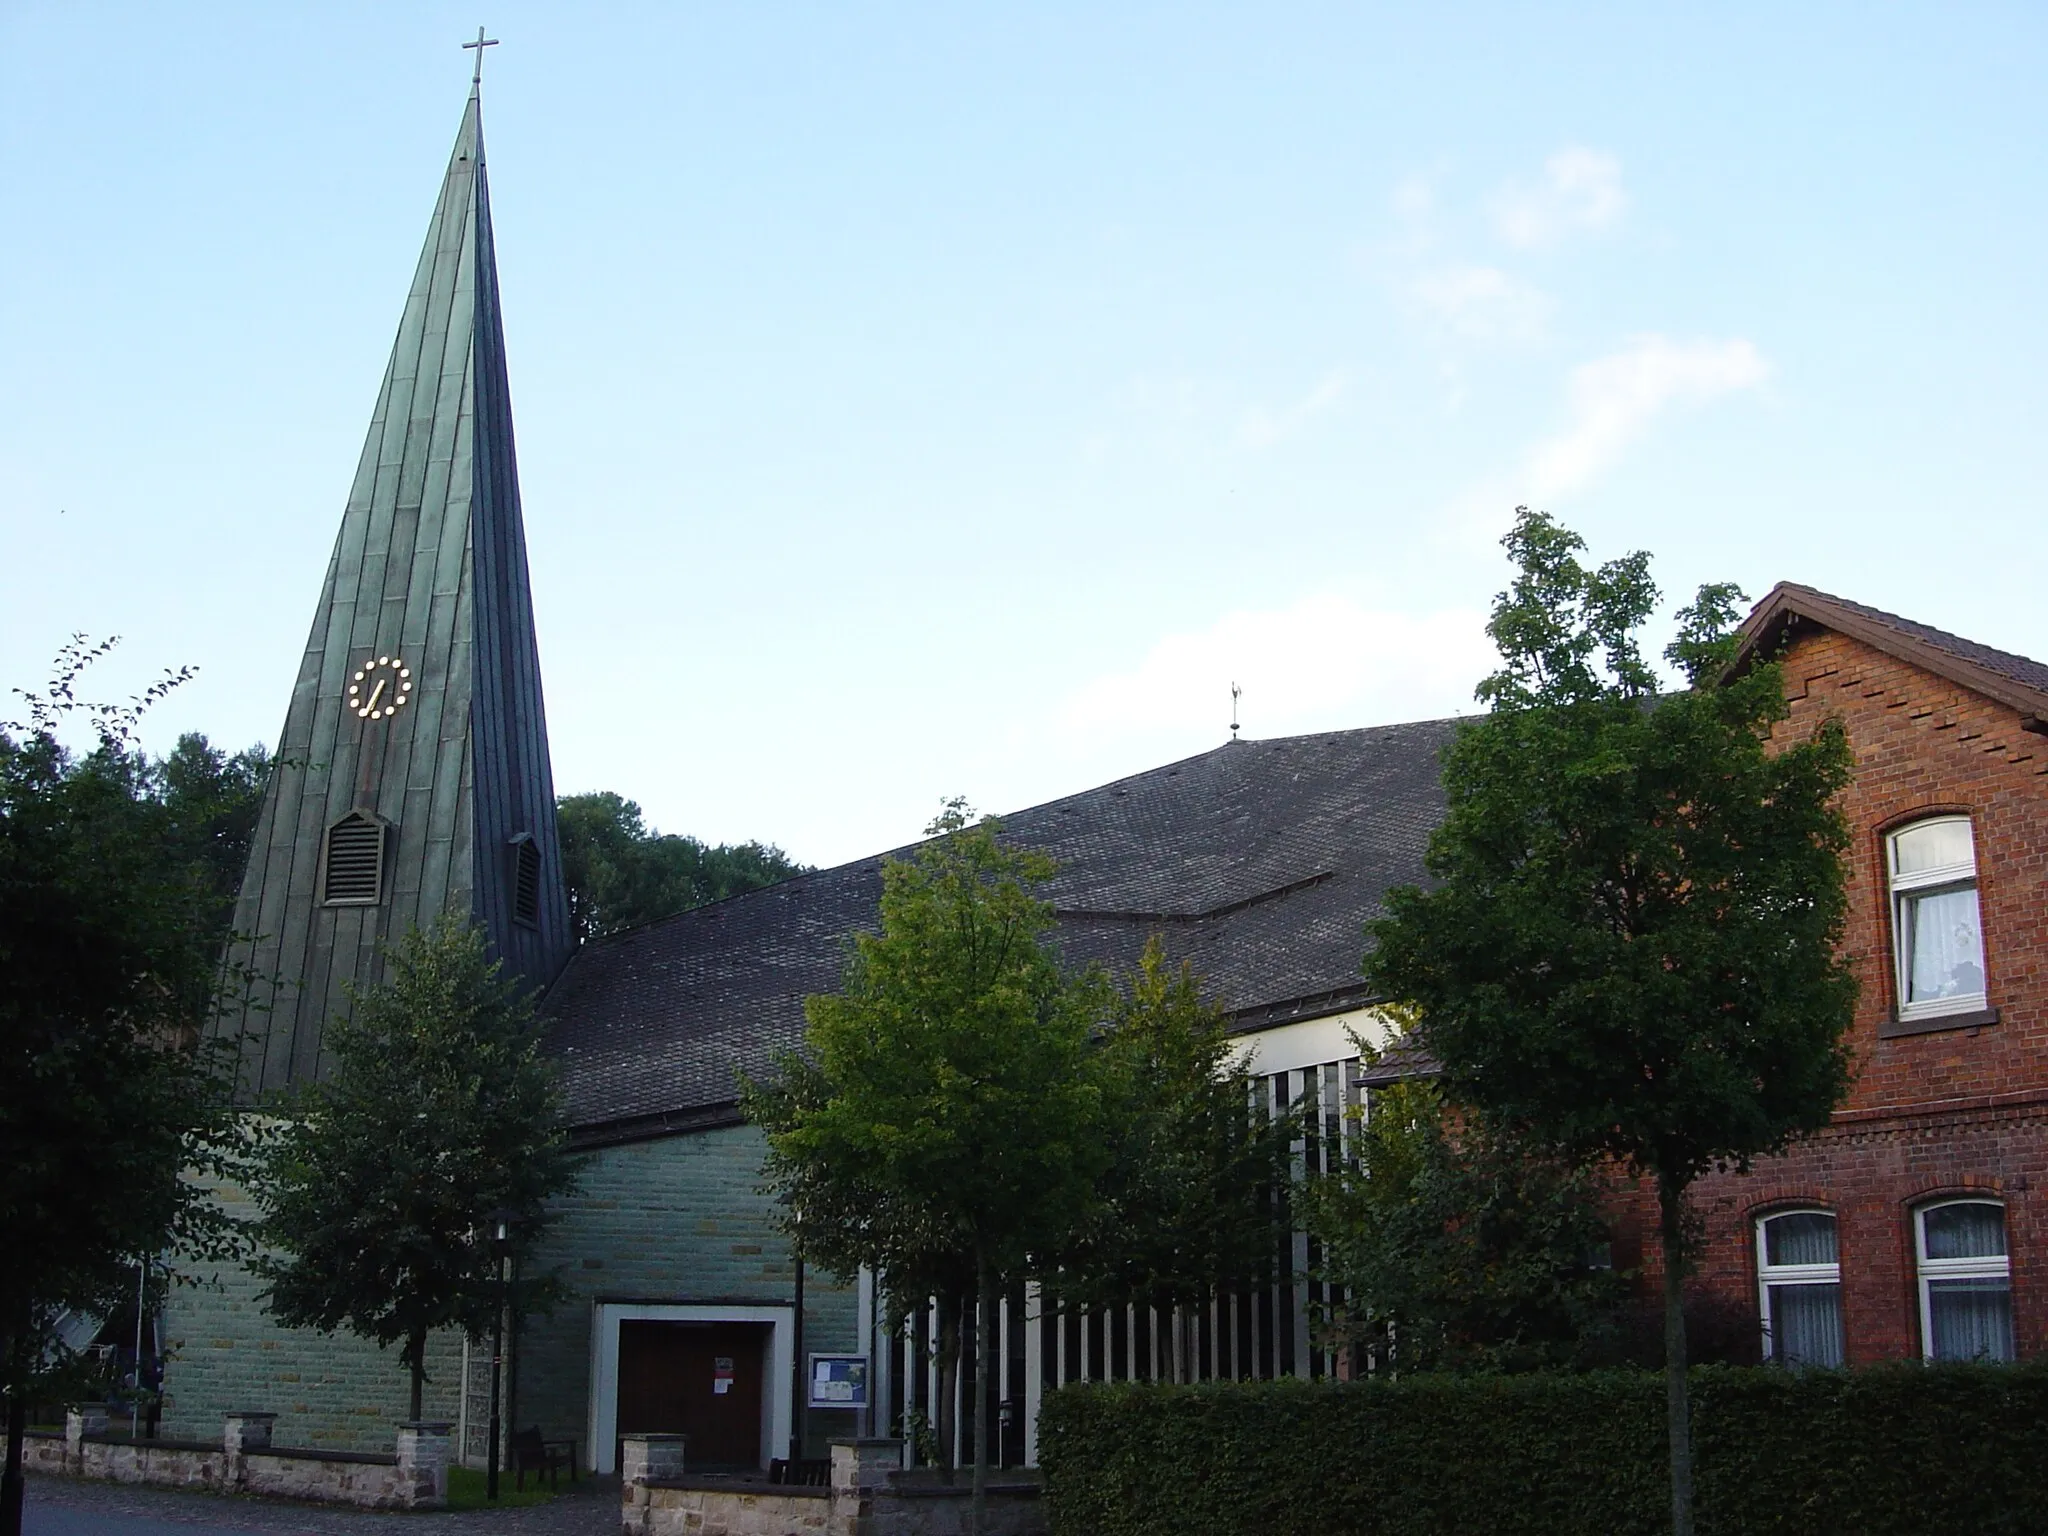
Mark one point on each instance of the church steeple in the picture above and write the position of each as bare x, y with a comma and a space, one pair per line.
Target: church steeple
413, 775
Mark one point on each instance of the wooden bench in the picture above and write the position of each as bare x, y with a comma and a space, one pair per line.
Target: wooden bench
531, 1453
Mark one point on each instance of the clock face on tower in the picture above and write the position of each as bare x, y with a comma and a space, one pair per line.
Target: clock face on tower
380, 688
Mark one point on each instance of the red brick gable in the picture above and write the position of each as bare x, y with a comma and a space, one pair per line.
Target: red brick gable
1924, 745
1943, 1107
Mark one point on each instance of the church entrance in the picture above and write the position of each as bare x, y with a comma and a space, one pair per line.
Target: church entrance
701, 1379
656, 1368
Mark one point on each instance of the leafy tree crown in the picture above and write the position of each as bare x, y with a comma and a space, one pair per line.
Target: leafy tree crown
1632, 944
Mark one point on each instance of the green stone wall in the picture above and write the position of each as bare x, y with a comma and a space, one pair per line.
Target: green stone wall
336, 1392
679, 1220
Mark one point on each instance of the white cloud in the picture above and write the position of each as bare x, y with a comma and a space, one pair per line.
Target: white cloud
1580, 189
1325, 662
1614, 398
1262, 427
1484, 303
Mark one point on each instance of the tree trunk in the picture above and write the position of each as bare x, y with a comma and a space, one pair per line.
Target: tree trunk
1671, 1201
947, 1418
416, 1346
984, 1327
10, 1482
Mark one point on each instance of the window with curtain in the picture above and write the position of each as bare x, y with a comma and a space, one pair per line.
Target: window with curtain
1935, 933
1799, 1277
1965, 1281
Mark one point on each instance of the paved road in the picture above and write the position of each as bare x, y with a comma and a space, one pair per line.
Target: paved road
58, 1506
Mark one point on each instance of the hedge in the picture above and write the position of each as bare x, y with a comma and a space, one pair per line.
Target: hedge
1888, 1451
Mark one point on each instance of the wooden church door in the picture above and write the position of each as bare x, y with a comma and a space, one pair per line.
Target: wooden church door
703, 1380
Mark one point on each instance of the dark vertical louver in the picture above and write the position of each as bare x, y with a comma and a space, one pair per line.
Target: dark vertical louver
354, 863
526, 881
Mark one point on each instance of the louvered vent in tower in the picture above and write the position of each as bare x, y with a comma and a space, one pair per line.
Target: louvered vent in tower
352, 868
526, 880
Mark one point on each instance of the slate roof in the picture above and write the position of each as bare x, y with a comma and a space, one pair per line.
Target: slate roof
1260, 862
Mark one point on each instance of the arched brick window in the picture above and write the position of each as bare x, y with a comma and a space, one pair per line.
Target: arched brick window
1799, 1284
1965, 1281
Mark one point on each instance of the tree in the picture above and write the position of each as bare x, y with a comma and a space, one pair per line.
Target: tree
1191, 1200
209, 802
944, 1126
105, 1106
622, 873
1457, 1246
439, 1110
1631, 952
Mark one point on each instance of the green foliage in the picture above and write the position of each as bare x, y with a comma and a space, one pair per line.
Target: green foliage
945, 1109
1189, 1201
107, 954
944, 1126
469, 1488
1891, 1451
1458, 1246
621, 873
1632, 949
1632, 946
109, 933
439, 1109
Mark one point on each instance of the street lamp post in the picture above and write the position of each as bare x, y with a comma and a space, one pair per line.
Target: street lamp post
501, 1221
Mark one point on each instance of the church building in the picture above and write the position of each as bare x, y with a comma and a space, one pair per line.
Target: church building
414, 780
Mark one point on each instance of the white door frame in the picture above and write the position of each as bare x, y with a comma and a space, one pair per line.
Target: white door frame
605, 1318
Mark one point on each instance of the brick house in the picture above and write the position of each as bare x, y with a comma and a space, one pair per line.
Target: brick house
1916, 1224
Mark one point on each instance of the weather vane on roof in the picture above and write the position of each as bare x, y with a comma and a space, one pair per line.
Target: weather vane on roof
480, 45
1235, 693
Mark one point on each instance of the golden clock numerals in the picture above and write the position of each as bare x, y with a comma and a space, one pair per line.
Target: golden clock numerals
389, 683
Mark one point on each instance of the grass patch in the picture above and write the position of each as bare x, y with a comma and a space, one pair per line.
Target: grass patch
466, 1490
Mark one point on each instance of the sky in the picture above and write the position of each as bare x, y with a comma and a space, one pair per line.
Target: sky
930, 400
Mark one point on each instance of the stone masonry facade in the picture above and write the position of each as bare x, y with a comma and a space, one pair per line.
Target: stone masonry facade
1935, 1112
329, 1391
675, 1220
681, 1219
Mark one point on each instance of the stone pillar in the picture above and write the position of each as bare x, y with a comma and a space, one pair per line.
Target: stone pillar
860, 1470
645, 1456
642, 1457
240, 1434
423, 1463
81, 1420
859, 1466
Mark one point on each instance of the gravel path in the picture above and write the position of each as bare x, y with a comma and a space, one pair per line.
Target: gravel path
62, 1506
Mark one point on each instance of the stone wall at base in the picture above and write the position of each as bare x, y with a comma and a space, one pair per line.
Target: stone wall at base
243, 1462
868, 1496
684, 1509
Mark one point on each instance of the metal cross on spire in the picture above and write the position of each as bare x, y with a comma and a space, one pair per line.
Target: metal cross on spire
480, 45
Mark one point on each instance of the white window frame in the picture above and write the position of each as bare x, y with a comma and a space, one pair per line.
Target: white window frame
1769, 1274
1923, 882
1995, 1267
